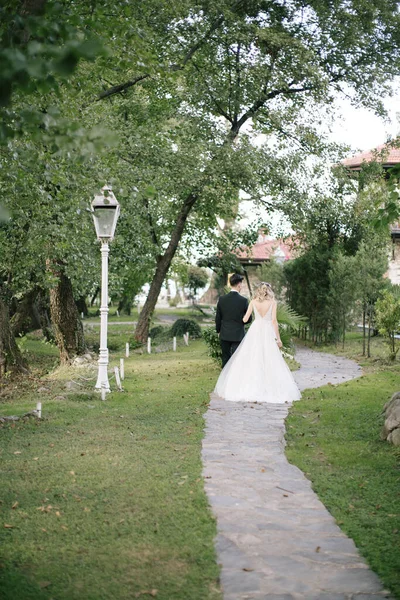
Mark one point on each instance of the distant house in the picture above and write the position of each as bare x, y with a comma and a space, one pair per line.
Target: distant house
388, 157
384, 154
264, 250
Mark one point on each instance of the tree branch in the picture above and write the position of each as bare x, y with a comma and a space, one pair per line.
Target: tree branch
117, 89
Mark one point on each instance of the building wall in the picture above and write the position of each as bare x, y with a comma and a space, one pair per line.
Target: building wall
394, 263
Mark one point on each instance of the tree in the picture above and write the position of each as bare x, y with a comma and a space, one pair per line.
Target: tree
39, 49
272, 272
371, 265
197, 279
388, 318
264, 64
342, 293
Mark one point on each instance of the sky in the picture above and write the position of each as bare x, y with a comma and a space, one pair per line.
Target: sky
362, 129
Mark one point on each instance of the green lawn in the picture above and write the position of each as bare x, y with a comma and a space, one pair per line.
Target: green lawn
167, 313
333, 437
105, 500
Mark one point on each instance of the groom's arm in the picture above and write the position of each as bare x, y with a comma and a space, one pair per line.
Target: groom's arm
218, 318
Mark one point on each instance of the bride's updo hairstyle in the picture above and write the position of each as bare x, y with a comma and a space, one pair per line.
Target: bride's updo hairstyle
264, 292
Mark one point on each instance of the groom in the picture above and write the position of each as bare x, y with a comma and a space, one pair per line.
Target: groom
231, 309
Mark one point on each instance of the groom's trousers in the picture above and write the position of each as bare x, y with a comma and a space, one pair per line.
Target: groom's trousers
228, 348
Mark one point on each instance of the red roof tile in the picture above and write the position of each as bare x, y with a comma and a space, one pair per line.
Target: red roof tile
385, 154
265, 248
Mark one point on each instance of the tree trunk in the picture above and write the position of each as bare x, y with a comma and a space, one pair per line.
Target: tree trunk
363, 352
344, 331
68, 330
248, 282
41, 310
125, 304
82, 306
24, 319
10, 356
96, 293
163, 265
369, 335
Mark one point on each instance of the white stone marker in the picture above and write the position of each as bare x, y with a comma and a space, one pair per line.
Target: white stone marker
186, 338
117, 313
122, 368
39, 409
174, 344
103, 391
82, 315
149, 345
117, 379
127, 350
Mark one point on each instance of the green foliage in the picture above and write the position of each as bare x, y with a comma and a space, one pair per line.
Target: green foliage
272, 272
40, 47
388, 318
182, 326
197, 279
211, 339
342, 293
288, 321
340, 272
160, 333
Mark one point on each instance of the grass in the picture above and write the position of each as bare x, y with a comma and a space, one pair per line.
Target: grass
333, 437
108, 496
159, 315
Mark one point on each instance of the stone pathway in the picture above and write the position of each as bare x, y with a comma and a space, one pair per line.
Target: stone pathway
276, 540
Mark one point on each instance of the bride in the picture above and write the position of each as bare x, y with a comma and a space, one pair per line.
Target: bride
257, 372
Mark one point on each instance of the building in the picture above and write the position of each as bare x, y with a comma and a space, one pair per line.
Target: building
388, 157
262, 252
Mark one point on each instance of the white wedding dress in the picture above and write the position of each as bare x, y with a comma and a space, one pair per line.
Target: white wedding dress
257, 372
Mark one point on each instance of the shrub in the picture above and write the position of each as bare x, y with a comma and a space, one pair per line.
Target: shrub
181, 326
159, 332
211, 339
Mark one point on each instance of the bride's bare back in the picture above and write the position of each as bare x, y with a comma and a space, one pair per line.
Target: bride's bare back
263, 307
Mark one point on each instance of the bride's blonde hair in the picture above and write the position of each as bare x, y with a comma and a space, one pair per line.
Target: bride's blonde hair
264, 292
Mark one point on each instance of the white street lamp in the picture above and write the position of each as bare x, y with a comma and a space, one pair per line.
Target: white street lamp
105, 210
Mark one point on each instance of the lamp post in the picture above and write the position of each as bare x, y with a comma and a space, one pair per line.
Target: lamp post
105, 211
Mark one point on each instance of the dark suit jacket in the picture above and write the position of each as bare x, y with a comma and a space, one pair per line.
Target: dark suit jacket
231, 309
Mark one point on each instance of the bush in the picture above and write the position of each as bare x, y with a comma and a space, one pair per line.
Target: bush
181, 326
211, 339
173, 302
156, 331
159, 332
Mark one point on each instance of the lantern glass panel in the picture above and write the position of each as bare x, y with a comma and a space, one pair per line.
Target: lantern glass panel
104, 219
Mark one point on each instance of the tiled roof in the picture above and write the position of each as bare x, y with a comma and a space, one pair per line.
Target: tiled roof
384, 154
264, 249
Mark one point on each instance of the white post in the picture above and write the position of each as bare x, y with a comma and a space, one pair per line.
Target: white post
117, 313
117, 379
174, 344
82, 315
127, 350
103, 391
39, 409
186, 338
102, 377
149, 345
122, 368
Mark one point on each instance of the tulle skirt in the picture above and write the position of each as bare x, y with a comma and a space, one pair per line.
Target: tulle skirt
257, 372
